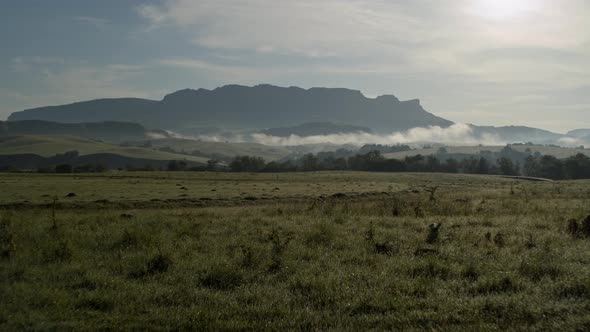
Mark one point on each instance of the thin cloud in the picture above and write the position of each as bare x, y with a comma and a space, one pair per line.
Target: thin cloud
449, 57
94, 21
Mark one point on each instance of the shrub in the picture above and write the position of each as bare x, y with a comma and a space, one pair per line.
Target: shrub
576, 291
7, 246
60, 252
158, 264
433, 230
386, 248
63, 168
320, 235
126, 241
96, 304
539, 270
503, 285
431, 270
470, 273
221, 277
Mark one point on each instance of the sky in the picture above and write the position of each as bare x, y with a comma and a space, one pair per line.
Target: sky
486, 62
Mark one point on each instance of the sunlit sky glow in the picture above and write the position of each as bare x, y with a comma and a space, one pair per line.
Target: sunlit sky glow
488, 62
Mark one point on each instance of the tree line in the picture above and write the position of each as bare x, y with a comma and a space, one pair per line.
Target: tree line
505, 162
545, 166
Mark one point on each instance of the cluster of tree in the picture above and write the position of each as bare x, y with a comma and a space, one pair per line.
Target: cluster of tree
506, 162
384, 148
576, 167
68, 168
374, 161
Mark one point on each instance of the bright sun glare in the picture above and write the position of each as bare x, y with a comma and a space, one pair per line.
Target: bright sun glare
504, 9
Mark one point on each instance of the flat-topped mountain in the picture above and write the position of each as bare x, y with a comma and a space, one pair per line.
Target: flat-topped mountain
235, 106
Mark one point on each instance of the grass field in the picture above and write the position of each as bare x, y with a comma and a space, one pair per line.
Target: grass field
559, 152
47, 146
306, 251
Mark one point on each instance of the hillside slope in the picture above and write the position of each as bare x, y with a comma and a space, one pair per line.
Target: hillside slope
217, 150
47, 146
107, 131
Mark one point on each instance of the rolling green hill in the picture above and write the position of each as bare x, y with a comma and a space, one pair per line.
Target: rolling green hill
220, 150
559, 152
109, 131
47, 146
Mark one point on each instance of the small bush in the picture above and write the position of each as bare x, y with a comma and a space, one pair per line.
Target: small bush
126, 241
247, 260
156, 265
316, 292
433, 231
500, 240
425, 252
573, 228
579, 229
585, 229
279, 245
505, 315
58, 253
538, 270
321, 235
63, 168
159, 264
431, 270
7, 246
368, 309
370, 233
470, 273
576, 291
96, 304
503, 285
386, 248
221, 277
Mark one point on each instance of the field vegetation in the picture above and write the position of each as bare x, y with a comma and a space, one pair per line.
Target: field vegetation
304, 251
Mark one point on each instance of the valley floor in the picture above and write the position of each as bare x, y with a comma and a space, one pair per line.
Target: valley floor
302, 251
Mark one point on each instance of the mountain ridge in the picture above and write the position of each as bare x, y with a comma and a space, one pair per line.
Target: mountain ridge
237, 106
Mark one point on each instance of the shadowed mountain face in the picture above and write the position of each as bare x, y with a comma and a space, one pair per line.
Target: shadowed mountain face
241, 107
314, 129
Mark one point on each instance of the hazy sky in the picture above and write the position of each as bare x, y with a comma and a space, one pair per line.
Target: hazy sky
487, 62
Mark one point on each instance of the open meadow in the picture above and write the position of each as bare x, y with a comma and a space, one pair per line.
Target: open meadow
292, 251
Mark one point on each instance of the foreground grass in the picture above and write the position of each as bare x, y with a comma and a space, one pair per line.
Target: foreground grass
503, 258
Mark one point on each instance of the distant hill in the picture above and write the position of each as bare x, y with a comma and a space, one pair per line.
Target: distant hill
580, 133
513, 134
314, 129
119, 109
216, 150
25, 150
235, 106
106, 131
